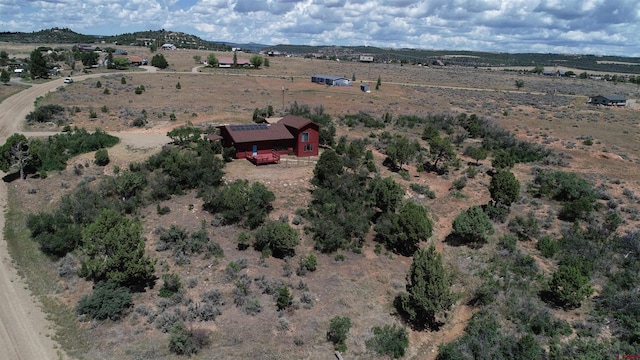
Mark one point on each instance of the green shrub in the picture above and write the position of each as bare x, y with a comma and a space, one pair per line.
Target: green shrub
576, 209
338, 329
123, 80
279, 237
229, 153
162, 210
108, 301
389, 340
104, 109
159, 61
472, 226
471, 171
547, 246
525, 228
486, 293
252, 306
54, 232
102, 157
310, 262
138, 90
496, 212
569, 286
459, 183
171, 285
98, 84
187, 342
54, 151
504, 188
139, 122
244, 240
45, 113
284, 299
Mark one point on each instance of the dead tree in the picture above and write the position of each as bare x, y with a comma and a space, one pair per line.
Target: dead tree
20, 157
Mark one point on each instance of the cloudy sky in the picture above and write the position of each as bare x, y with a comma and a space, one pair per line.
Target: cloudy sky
601, 27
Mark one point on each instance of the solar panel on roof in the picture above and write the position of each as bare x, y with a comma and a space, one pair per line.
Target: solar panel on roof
249, 127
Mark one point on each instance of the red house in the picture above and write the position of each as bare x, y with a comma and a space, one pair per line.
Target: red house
306, 134
264, 143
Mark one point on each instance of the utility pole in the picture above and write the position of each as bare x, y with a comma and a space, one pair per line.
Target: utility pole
283, 98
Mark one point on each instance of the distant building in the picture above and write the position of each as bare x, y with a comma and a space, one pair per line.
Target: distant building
366, 58
144, 41
608, 100
86, 47
330, 80
137, 60
168, 47
228, 62
553, 73
365, 87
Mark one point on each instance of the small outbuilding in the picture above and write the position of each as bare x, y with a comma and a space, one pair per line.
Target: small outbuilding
608, 100
365, 87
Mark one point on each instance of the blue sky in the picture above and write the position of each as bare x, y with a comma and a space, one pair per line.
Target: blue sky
601, 27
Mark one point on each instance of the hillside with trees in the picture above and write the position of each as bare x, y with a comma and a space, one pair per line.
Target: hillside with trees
519, 307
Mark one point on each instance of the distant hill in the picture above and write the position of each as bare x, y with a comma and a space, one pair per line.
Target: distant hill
141, 38
50, 36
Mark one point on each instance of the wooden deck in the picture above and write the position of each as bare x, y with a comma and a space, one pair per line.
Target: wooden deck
260, 159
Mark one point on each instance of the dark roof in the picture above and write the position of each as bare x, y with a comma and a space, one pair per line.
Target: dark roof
296, 122
258, 132
330, 77
613, 97
214, 137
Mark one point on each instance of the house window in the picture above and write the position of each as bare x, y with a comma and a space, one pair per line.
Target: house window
305, 137
308, 147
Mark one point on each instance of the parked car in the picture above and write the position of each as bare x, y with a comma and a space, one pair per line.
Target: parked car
68, 80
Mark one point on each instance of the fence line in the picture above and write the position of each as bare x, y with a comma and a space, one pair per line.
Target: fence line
295, 162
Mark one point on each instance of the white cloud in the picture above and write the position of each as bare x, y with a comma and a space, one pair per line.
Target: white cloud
494, 25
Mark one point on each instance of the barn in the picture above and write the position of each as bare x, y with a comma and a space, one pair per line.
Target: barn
609, 100
264, 143
330, 80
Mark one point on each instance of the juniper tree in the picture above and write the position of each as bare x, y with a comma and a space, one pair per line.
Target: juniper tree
428, 292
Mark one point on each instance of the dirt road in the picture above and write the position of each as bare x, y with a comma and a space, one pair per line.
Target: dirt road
24, 330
